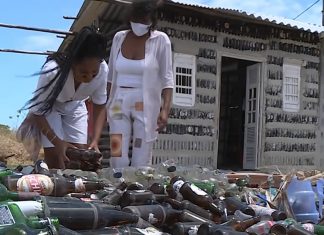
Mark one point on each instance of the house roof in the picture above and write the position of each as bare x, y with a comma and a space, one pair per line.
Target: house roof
280, 21
112, 12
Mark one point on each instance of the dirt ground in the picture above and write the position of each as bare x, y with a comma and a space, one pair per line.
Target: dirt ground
12, 152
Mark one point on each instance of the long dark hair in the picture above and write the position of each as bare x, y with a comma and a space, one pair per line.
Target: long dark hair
143, 8
86, 44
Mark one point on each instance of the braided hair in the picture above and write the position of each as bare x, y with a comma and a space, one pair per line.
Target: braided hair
87, 43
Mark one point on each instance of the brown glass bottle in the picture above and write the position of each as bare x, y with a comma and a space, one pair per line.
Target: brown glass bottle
78, 215
233, 204
185, 204
173, 194
41, 184
41, 167
275, 214
157, 215
222, 231
140, 197
197, 196
63, 186
157, 188
207, 229
184, 228
279, 229
241, 226
56, 185
114, 197
122, 230
82, 154
135, 186
290, 229
295, 229
188, 216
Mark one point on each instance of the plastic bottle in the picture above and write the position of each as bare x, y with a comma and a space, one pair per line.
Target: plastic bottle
302, 200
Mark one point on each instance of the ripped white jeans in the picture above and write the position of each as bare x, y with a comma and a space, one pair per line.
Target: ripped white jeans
126, 117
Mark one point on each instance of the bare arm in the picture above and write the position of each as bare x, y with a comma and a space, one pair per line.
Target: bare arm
167, 98
108, 89
99, 118
47, 131
166, 106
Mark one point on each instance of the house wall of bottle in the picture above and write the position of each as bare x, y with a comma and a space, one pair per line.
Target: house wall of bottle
285, 138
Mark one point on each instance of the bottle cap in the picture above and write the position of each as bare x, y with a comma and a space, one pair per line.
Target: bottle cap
117, 175
171, 168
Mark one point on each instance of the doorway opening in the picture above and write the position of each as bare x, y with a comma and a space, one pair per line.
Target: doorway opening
234, 110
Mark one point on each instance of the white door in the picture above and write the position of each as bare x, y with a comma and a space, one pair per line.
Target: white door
250, 158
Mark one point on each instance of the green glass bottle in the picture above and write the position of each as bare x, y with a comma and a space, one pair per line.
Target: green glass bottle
11, 217
5, 173
15, 196
207, 186
21, 229
314, 228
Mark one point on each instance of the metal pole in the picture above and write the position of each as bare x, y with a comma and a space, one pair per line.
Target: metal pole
321, 91
36, 29
322, 12
26, 52
70, 18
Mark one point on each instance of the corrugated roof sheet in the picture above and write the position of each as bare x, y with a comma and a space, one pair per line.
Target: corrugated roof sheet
262, 17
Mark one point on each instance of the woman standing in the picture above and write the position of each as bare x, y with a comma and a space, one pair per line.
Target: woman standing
140, 78
58, 107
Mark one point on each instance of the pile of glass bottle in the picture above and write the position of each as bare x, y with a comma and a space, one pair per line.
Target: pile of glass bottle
165, 199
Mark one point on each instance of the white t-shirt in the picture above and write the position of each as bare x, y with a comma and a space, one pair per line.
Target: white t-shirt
96, 89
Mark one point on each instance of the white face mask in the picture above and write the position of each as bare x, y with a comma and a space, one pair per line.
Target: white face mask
140, 29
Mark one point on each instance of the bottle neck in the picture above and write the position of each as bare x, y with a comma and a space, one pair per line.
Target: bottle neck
5, 173
243, 225
42, 223
93, 185
216, 209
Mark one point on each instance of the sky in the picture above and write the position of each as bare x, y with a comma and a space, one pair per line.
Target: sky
16, 69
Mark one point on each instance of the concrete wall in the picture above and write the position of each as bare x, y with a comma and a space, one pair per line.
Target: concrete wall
267, 156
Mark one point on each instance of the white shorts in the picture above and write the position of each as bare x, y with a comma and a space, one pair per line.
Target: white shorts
69, 121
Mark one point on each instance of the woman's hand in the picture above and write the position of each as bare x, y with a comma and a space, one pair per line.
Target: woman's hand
61, 147
94, 145
162, 120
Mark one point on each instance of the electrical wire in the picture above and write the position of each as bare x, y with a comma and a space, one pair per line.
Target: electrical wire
307, 9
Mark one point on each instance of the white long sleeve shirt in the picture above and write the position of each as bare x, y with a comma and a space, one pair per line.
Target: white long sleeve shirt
158, 75
68, 97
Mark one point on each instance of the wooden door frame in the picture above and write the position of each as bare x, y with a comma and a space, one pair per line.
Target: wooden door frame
259, 58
